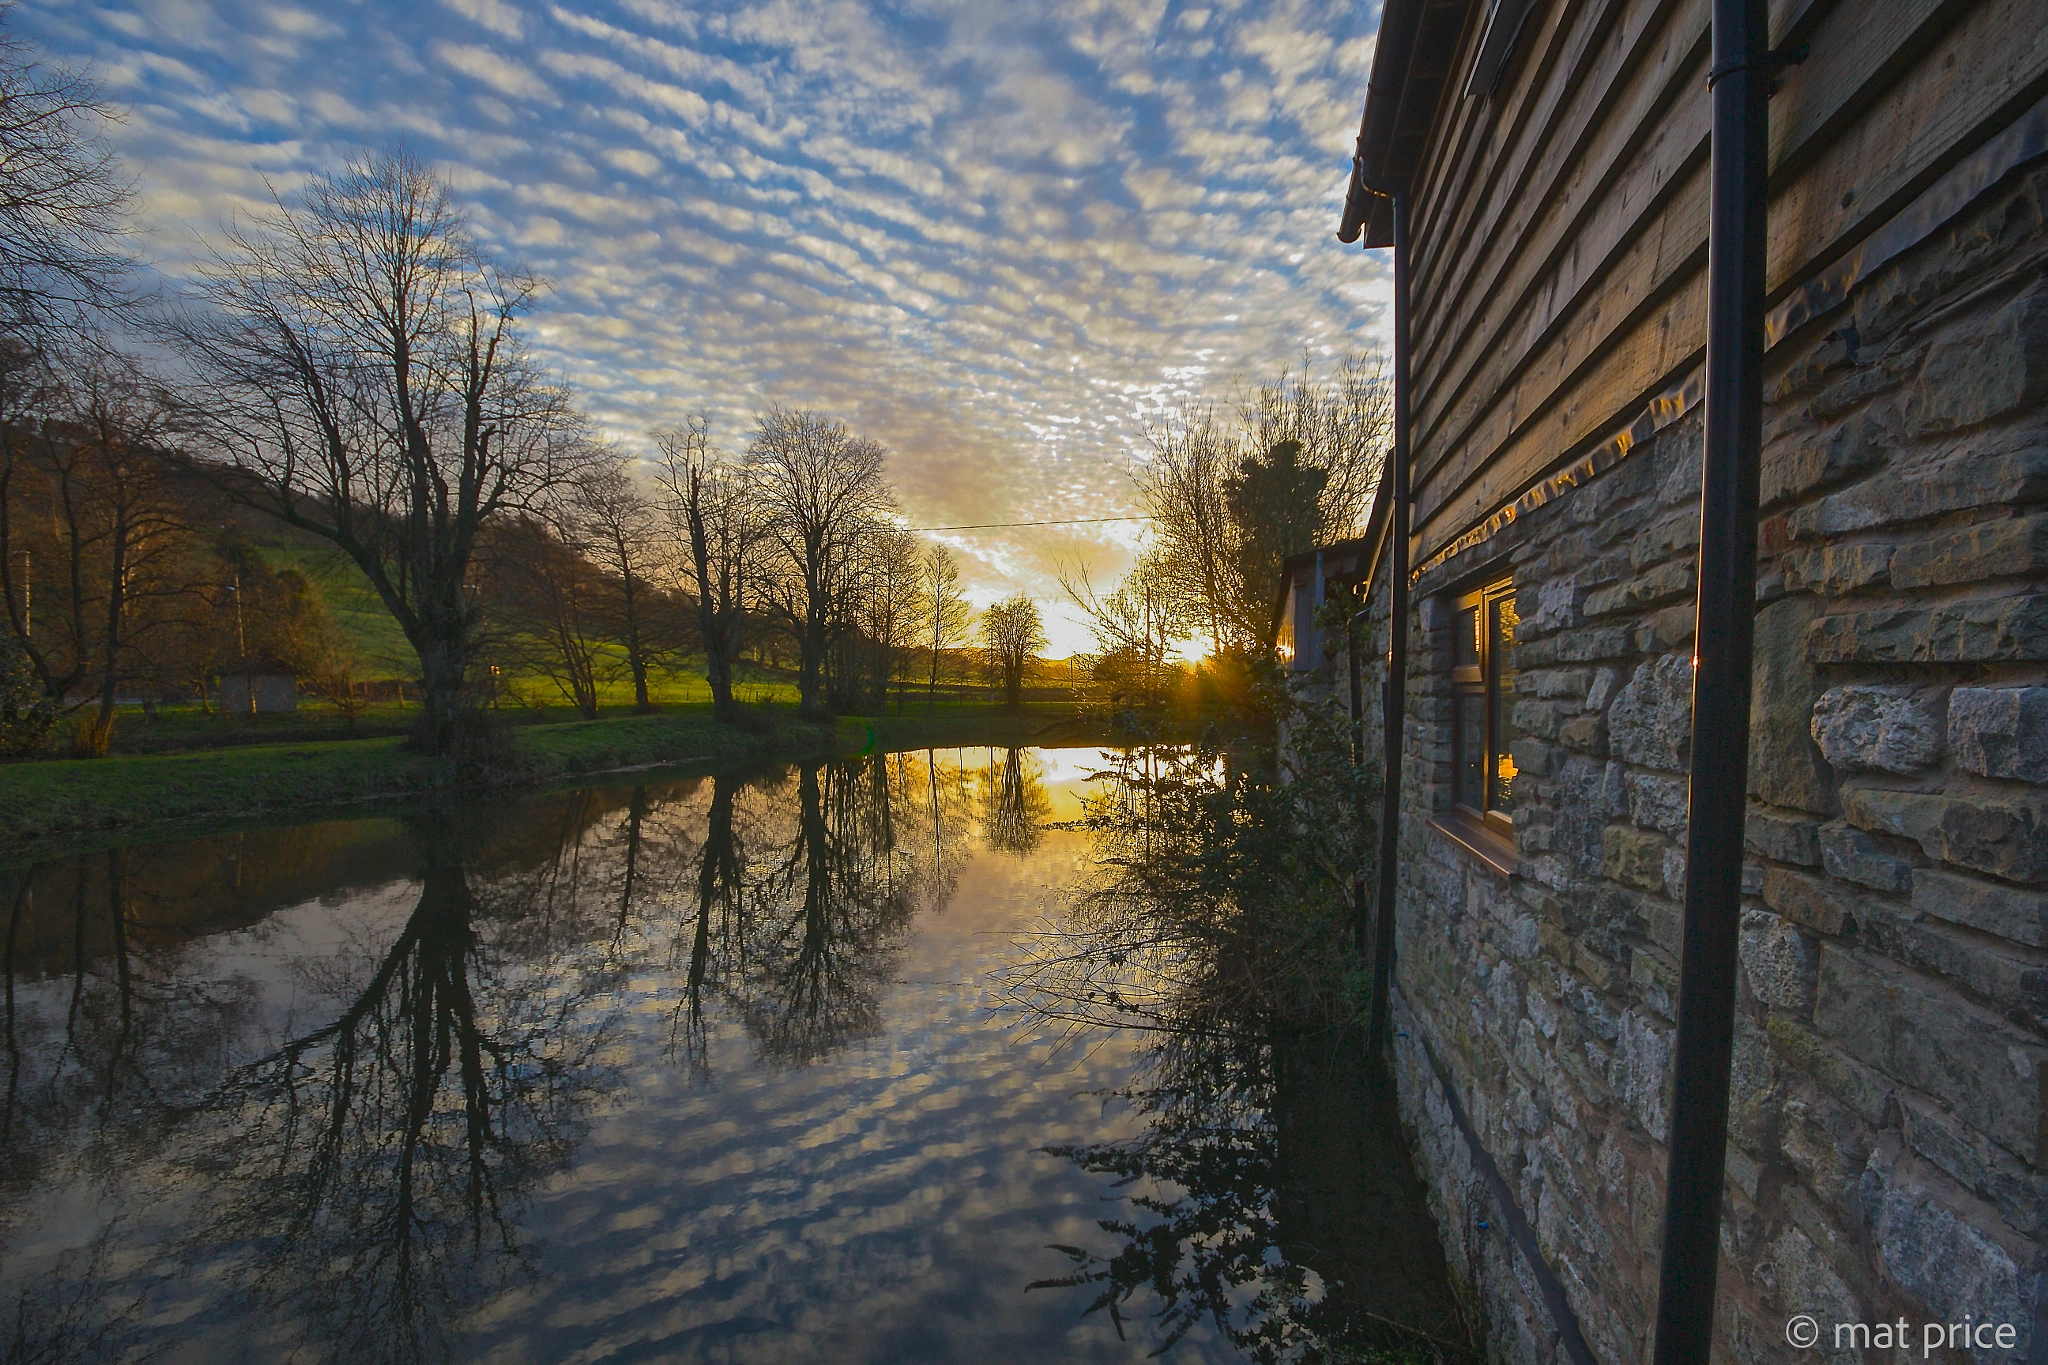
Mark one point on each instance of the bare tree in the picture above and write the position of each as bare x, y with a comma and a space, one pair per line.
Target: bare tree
63, 199
1013, 633
1192, 454
713, 512
357, 361
615, 526
890, 606
1231, 499
942, 608
825, 491
83, 495
1136, 627
547, 612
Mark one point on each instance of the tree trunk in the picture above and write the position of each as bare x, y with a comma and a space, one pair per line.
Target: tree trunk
810, 672
636, 653
442, 667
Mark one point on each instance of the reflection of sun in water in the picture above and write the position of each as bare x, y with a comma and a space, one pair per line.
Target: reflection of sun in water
1067, 774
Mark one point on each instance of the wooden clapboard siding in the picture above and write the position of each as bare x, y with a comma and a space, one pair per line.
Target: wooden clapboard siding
1448, 212
1499, 197
1560, 250
1554, 246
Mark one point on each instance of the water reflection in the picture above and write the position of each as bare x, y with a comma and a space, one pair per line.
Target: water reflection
330, 1128
1269, 1189
700, 1068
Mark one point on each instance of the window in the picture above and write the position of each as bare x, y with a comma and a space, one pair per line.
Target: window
1483, 705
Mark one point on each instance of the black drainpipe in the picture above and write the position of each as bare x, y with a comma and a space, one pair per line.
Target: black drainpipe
1395, 698
1722, 636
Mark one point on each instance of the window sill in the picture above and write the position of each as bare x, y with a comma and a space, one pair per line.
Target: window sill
1488, 845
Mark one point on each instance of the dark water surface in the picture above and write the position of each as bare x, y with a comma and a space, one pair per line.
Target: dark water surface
712, 1069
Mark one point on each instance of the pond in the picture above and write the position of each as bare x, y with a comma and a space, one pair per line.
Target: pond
727, 1068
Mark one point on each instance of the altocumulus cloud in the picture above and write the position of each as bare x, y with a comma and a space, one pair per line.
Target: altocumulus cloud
994, 236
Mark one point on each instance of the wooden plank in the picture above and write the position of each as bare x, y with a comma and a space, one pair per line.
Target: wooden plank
1605, 52
1508, 123
1570, 373
1510, 358
1980, 70
1963, 83
1557, 72
1665, 342
1568, 243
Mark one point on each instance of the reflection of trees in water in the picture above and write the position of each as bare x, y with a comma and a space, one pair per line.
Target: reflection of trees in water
357, 1173
1271, 1191
1013, 802
104, 1041
829, 917
801, 893
377, 1165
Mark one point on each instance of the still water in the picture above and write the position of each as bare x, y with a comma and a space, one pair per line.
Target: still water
716, 1069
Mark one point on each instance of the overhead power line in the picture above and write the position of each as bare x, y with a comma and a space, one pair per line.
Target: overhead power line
1007, 525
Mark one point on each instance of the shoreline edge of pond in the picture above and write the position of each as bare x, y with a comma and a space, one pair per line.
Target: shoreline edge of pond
61, 800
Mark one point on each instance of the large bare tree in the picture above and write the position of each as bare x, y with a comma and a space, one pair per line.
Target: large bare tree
719, 522
1233, 493
358, 367
825, 492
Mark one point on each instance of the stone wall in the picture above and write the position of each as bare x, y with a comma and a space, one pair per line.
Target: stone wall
1888, 1154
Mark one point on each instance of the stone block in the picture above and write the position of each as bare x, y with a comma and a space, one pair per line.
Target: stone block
2003, 833
1666, 582
1841, 569
1806, 900
1654, 975
1841, 1076
1964, 482
1803, 1281
1650, 722
2009, 979
1979, 377
1785, 767
2000, 731
1783, 836
1852, 855
1633, 857
1641, 1069
1990, 1173
1875, 728
1781, 963
1910, 1028
1941, 1258
1824, 458
2009, 547
1986, 630
2006, 911
1656, 801
1665, 630
1663, 539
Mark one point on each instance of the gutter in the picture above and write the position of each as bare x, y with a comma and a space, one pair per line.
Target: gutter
1717, 788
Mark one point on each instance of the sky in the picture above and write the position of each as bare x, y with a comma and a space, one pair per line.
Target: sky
994, 235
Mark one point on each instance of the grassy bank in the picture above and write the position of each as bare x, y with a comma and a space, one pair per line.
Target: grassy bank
40, 800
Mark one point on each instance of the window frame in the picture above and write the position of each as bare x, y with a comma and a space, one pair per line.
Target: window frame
1478, 682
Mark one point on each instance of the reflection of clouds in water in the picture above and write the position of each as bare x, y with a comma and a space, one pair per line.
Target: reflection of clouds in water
888, 1206
886, 1200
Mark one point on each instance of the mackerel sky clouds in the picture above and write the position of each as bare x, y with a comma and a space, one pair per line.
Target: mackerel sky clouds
993, 235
